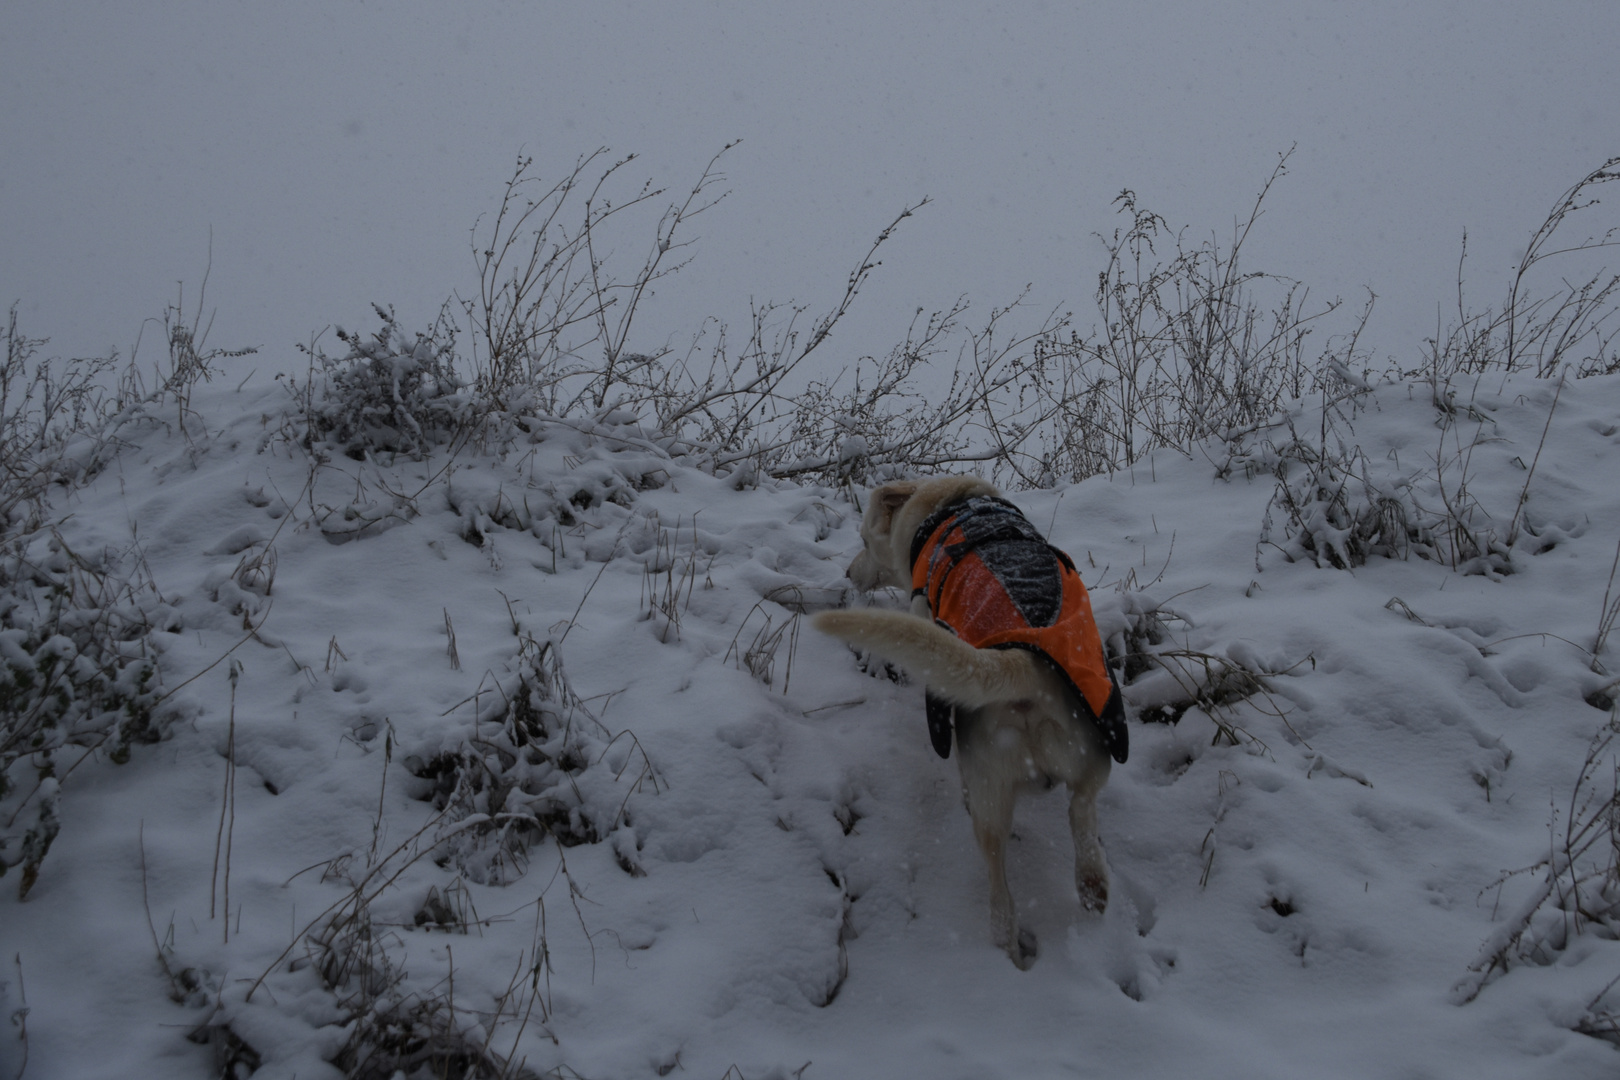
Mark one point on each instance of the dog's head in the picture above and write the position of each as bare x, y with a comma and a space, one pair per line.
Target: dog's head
874, 566
893, 513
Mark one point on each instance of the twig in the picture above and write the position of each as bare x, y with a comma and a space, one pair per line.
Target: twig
1524, 493
20, 1016
223, 837
1607, 614
581, 605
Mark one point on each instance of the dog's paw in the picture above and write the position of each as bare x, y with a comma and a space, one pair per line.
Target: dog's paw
1093, 892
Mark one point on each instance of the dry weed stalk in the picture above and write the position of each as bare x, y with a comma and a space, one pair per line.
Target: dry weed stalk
668, 579
1608, 613
1579, 886
759, 655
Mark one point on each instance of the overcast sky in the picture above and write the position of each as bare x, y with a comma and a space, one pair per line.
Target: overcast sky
341, 151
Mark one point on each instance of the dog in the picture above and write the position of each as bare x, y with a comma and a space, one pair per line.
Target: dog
1013, 665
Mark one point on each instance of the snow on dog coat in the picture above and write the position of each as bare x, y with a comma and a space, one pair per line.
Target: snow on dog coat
992, 580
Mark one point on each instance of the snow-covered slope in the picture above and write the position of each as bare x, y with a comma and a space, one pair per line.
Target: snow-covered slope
769, 873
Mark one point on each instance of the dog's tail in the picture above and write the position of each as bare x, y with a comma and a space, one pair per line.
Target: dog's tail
951, 668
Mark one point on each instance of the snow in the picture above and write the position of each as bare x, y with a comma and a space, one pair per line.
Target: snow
797, 881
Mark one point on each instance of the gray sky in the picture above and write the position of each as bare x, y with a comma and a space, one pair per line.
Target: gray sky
340, 152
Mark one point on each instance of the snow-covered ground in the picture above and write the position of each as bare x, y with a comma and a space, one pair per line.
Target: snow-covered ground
777, 878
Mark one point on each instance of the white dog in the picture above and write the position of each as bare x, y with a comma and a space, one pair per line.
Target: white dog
1000, 631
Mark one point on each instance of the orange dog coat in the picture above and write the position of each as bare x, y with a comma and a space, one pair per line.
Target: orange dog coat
991, 579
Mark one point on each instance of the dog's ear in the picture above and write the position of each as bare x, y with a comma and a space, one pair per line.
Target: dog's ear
887, 500
895, 496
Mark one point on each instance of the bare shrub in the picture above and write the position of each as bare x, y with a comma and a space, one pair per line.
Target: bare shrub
868, 422
1163, 679
1578, 891
1542, 328
51, 419
553, 319
551, 327
190, 358
751, 410
1188, 347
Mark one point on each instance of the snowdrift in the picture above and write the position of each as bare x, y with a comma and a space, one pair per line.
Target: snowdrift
519, 759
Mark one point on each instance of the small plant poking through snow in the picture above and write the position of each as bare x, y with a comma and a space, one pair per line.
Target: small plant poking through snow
532, 766
1578, 891
390, 1026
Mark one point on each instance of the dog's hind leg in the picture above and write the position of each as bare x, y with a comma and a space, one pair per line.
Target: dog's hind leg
1090, 867
992, 836
989, 785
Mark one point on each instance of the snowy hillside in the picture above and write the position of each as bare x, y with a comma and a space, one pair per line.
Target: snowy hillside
522, 759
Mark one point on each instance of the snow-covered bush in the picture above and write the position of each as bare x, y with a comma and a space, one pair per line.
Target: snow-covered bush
532, 765
352, 960
390, 393
78, 670
1335, 508
1332, 514
78, 663
392, 1029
